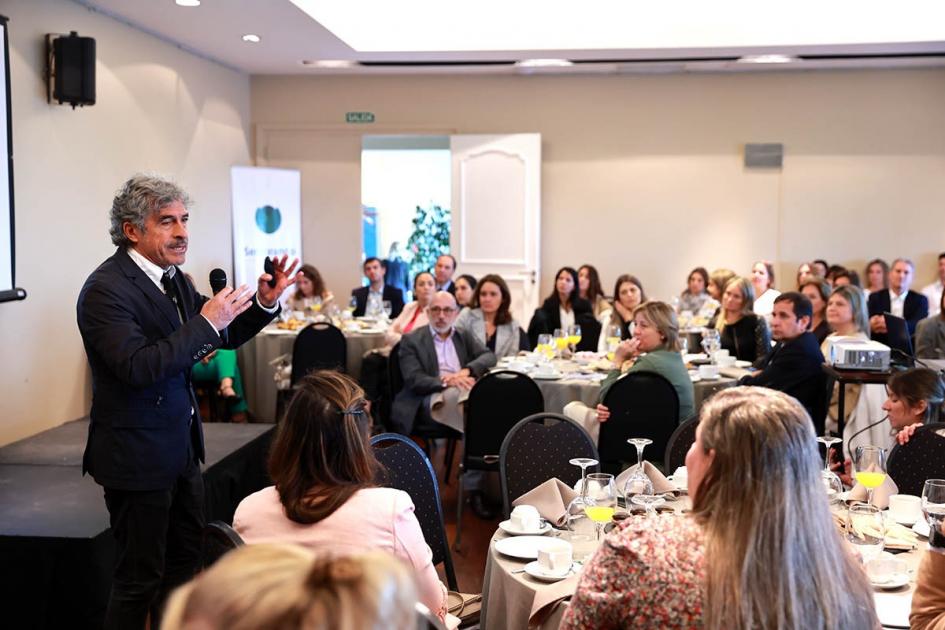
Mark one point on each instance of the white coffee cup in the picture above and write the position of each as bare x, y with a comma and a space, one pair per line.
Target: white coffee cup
300, 315
709, 371
556, 557
905, 508
525, 518
726, 361
720, 354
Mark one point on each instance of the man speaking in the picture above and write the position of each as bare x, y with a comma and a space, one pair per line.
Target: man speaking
143, 326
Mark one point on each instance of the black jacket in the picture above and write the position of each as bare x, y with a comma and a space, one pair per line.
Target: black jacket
390, 294
914, 310
547, 318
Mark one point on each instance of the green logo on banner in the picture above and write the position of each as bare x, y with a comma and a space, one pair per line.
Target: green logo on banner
268, 219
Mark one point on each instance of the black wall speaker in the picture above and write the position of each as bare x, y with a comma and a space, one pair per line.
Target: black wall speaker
71, 69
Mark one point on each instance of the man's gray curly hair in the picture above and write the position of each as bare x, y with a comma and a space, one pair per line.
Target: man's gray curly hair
138, 197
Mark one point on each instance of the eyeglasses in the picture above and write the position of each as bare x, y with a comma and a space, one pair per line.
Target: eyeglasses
436, 310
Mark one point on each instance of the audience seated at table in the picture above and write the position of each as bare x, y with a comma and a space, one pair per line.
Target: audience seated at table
933, 292
695, 296
443, 273
591, 289
930, 334
817, 291
465, 286
563, 308
847, 277
310, 291
877, 276
377, 291
286, 586
848, 320
899, 300
759, 549
628, 294
718, 280
804, 273
654, 347
324, 497
490, 320
915, 398
414, 315
762, 279
743, 333
819, 267
928, 600
795, 365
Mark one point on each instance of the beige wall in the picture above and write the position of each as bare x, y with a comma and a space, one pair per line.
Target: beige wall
158, 109
644, 174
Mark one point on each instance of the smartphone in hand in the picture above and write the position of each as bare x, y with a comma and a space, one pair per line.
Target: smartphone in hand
269, 268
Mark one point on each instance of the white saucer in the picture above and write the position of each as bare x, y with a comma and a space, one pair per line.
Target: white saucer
921, 528
695, 378
554, 376
535, 570
896, 580
508, 528
524, 547
710, 378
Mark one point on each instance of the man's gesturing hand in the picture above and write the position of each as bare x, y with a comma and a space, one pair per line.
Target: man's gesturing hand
223, 307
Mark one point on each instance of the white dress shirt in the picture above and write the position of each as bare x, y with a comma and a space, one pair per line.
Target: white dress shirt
897, 303
934, 293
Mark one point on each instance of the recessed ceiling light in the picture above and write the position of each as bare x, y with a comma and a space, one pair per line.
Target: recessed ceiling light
767, 59
188, 3
543, 63
329, 63
249, 37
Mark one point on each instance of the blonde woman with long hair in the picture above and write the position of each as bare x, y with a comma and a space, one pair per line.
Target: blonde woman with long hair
743, 333
284, 587
759, 551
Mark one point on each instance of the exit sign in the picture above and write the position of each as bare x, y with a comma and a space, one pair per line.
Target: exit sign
359, 117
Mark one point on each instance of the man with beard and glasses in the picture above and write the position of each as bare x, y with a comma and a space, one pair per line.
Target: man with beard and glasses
143, 326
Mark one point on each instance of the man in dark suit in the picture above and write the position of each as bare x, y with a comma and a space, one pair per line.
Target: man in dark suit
143, 326
377, 290
443, 273
898, 300
795, 365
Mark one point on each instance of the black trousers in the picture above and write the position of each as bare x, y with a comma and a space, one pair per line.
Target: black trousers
158, 534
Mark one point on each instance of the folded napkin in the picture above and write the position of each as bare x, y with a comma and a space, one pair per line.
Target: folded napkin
551, 499
446, 407
660, 482
547, 599
880, 495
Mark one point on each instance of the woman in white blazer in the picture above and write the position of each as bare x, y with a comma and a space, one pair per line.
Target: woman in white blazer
490, 320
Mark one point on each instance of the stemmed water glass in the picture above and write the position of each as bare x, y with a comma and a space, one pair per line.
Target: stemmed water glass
603, 496
649, 501
933, 508
561, 340
869, 465
388, 308
638, 482
832, 483
613, 340
574, 336
545, 347
710, 342
352, 304
866, 530
579, 523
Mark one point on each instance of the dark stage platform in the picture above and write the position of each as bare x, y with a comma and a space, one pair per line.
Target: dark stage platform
56, 549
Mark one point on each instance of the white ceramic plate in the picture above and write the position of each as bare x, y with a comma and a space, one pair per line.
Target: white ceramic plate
710, 378
896, 580
523, 547
554, 376
508, 528
743, 364
921, 528
536, 571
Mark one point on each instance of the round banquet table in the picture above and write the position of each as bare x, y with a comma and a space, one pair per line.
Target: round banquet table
272, 342
513, 600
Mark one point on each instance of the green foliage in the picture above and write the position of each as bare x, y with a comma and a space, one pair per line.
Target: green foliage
430, 238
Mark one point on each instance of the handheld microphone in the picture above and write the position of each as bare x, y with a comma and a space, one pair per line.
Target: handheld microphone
217, 280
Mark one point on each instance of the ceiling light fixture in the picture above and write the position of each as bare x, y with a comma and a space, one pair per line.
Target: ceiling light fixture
249, 37
188, 3
329, 63
544, 63
768, 59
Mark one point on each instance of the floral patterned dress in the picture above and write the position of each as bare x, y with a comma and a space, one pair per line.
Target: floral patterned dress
648, 573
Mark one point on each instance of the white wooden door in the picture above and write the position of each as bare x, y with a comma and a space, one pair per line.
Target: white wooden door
496, 212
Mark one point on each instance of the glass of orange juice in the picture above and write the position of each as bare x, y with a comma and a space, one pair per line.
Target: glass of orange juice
869, 468
561, 339
574, 336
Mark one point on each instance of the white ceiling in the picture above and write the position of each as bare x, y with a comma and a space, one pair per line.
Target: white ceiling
605, 36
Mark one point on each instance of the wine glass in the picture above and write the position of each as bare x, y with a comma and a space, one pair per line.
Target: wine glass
574, 336
352, 305
388, 308
866, 530
933, 508
832, 483
579, 523
869, 465
561, 339
710, 341
683, 345
545, 347
614, 333
602, 493
317, 304
649, 501
638, 482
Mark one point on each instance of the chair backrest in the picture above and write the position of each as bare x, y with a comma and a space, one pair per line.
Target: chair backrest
319, 346
921, 458
407, 468
496, 403
538, 448
217, 539
395, 378
642, 404
679, 442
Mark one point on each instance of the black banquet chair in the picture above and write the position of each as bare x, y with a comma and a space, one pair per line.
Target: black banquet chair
217, 539
642, 405
395, 383
679, 442
539, 448
319, 346
407, 468
496, 403
921, 458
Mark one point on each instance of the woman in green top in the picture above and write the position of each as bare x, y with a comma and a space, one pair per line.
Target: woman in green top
654, 347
